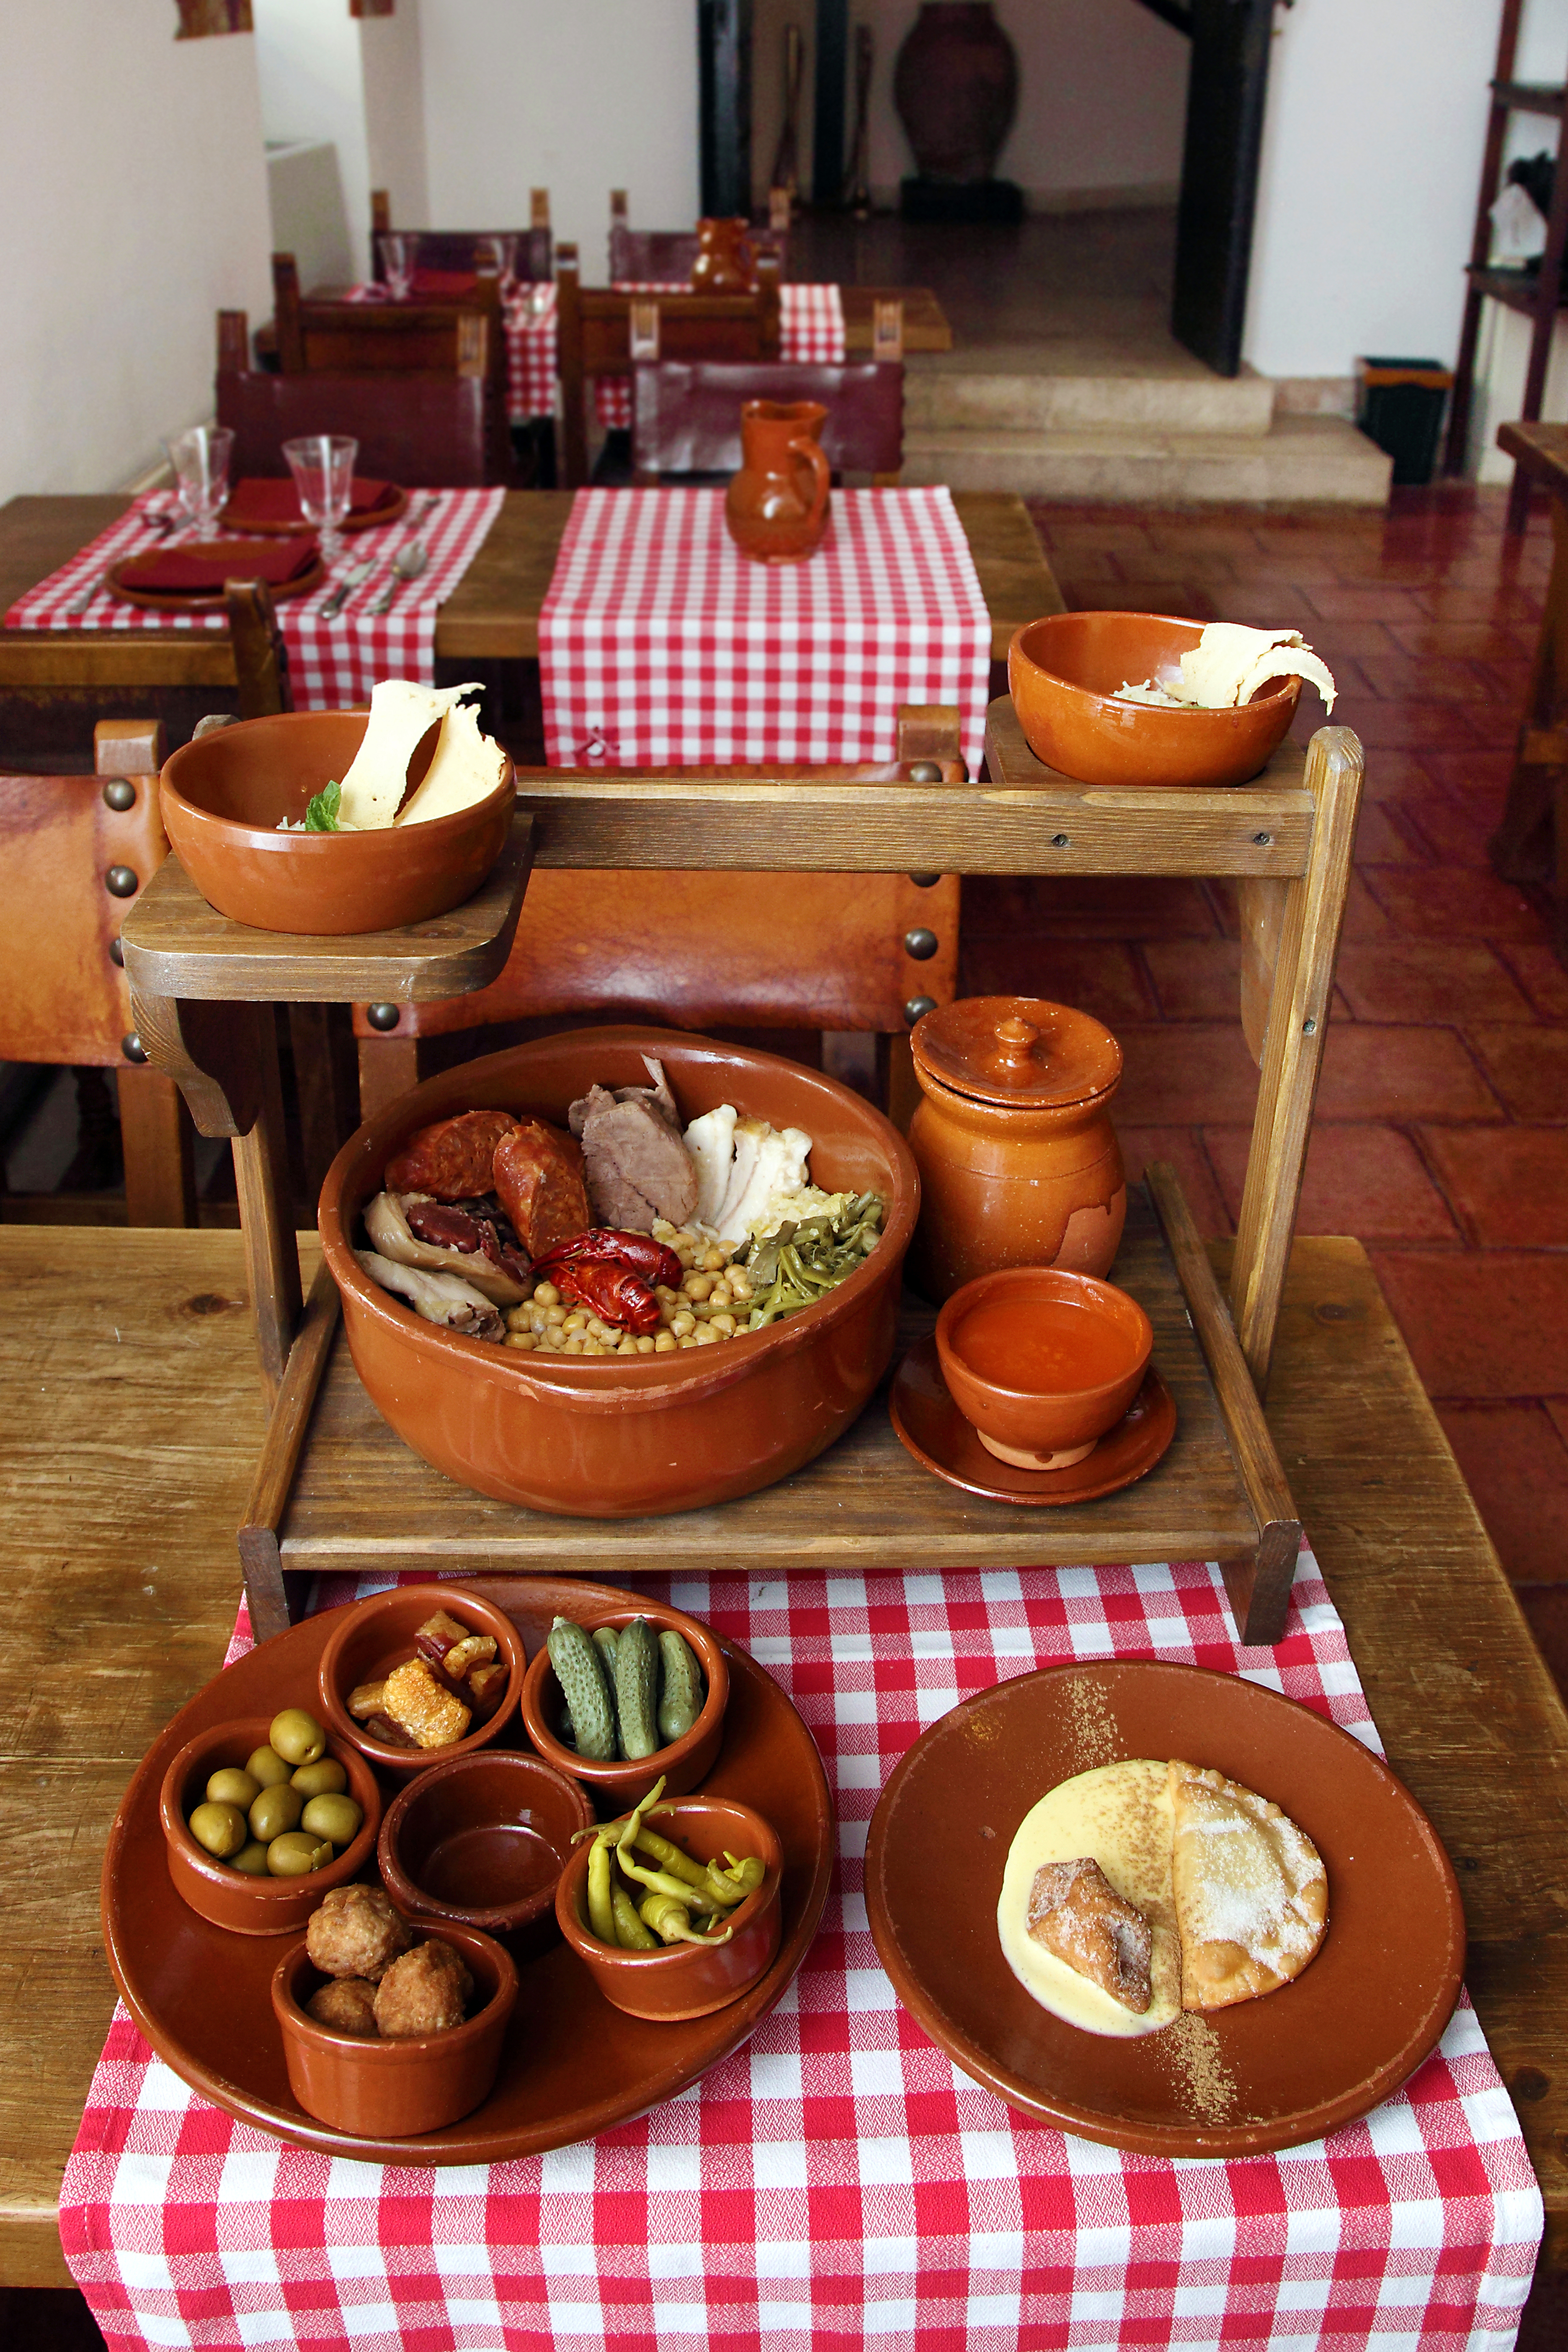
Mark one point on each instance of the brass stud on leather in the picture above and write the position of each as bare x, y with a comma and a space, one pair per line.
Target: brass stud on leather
117, 953
132, 1048
120, 882
917, 1007
119, 793
920, 944
383, 1016
925, 881
925, 771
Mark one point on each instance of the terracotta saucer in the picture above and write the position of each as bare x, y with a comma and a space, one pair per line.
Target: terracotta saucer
942, 1442
1266, 2073
571, 2064
373, 521
151, 602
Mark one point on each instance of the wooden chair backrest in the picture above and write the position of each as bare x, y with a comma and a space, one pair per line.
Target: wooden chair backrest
443, 432
457, 248
662, 256
685, 415
335, 338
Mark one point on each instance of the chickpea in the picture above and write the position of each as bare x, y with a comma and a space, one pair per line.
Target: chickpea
697, 1285
516, 1318
725, 1323
664, 1343
555, 1316
663, 1293
713, 1257
546, 1295
683, 1325
523, 1340
590, 1347
575, 1322
687, 1340
740, 1282
628, 1345
574, 1346
705, 1336
551, 1339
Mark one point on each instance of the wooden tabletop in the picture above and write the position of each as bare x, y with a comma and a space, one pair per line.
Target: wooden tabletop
492, 614
133, 1414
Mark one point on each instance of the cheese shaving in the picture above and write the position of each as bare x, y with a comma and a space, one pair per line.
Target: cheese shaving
1228, 665
468, 766
401, 715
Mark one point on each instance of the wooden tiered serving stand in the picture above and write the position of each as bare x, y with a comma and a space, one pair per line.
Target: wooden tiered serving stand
336, 1490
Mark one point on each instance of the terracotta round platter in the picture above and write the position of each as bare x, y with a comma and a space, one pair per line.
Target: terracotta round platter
1267, 2074
151, 602
395, 506
572, 2065
930, 1425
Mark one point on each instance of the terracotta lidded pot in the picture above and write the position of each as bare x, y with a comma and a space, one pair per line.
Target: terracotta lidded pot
775, 508
724, 263
955, 85
1019, 1163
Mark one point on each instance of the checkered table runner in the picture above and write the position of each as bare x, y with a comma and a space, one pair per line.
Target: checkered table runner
332, 664
661, 643
811, 329
838, 2180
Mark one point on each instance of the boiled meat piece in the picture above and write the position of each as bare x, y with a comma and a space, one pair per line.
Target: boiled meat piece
444, 1299
539, 1176
638, 1168
414, 1230
453, 1159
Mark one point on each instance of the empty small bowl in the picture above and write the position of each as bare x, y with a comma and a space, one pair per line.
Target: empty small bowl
684, 1980
1064, 672
1042, 1362
372, 1636
395, 2090
222, 798
687, 1761
231, 1898
481, 1840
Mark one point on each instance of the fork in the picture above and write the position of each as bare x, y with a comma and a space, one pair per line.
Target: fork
78, 604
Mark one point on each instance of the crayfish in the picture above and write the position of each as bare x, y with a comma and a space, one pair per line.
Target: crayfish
613, 1274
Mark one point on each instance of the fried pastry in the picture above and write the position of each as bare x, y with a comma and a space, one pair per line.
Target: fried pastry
1251, 1893
1075, 1913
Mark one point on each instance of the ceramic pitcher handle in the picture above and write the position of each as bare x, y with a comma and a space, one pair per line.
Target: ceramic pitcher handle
811, 452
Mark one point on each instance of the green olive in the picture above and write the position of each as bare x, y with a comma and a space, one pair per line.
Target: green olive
294, 1853
251, 1858
266, 1766
233, 1787
274, 1811
297, 1736
333, 1817
326, 1778
219, 1828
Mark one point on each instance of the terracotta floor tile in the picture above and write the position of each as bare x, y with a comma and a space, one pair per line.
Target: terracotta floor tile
1364, 604
1186, 1073
1429, 677
1391, 772
1200, 566
1099, 976
1469, 640
1496, 607
1516, 1466
1179, 532
1508, 680
1383, 839
1495, 724
1557, 1411
1372, 1072
1365, 916
1196, 980
1456, 831
1182, 1146
1454, 902
1509, 1185
1529, 1067
1546, 1607
1084, 594
1264, 608
1337, 639
1467, 770
1365, 1181
1427, 980
1540, 973
1112, 907
1481, 1324
1113, 534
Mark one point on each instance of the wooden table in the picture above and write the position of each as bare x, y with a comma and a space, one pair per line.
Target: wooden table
925, 321
1531, 844
134, 1417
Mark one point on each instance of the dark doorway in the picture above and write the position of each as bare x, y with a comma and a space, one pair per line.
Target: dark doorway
1225, 93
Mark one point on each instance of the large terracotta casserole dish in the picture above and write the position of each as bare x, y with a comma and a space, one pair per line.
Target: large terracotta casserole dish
222, 798
621, 1437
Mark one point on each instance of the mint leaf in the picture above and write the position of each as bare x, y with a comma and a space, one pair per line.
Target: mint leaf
321, 812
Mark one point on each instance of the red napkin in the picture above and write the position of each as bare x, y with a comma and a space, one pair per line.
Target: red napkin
443, 284
257, 500
202, 569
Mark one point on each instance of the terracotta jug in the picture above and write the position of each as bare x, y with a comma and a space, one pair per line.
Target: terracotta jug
955, 85
725, 263
775, 508
1019, 1163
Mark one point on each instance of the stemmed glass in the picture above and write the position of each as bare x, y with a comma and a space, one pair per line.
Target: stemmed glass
497, 257
399, 259
322, 465
200, 459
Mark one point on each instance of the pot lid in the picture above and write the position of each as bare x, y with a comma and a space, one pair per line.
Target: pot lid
1016, 1049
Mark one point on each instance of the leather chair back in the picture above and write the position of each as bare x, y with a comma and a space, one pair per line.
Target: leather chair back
440, 432
660, 257
685, 415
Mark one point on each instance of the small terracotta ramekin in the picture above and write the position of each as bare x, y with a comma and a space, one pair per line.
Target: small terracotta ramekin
373, 1635
481, 1840
684, 1980
231, 1898
616, 1788
1048, 1429
395, 2090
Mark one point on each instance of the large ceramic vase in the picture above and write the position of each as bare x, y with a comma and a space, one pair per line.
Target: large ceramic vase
956, 86
775, 508
724, 263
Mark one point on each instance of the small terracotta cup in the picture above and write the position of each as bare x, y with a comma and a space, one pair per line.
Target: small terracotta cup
483, 1840
1044, 1429
375, 1635
684, 1980
229, 1898
616, 1788
395, 2090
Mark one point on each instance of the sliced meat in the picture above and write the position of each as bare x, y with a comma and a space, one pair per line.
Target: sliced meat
539, 1176
638, 1166
453, 1157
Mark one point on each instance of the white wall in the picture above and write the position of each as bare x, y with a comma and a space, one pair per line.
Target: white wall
132, 174
312, 88
578, 96
390, 59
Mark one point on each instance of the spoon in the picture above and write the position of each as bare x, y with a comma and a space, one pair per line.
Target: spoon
407, 564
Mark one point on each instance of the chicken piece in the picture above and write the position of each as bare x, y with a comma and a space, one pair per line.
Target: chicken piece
453, 1157
345, 2005
426, 1991
427, 1710
442, 1298
355, 1932
638, 1166
1075, 1913
539, 1176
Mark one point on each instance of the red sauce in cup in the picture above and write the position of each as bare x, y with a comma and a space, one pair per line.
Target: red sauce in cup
1041, 1347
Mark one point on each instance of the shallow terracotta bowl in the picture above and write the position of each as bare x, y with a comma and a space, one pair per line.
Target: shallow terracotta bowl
245, 1905
371, 1636
223, 797
685, 1763
1063, 673
393, 2089
617, 1437
1051, 1429
684, 1980
481, 1840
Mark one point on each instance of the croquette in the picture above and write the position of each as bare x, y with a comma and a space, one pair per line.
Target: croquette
355, 1932
426, 1991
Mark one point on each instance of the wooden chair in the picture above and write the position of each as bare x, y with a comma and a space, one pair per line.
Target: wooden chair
459, 249
660, 257
341, 338
601, 330
686, 416
79, 852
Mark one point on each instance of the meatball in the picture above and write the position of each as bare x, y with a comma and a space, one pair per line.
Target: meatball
355, 1933
345, 2005
424, 1992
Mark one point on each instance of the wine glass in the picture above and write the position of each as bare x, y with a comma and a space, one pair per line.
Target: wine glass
200, 459
399, 260
322, 465
497, 257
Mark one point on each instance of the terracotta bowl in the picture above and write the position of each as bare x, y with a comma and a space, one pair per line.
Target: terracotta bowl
222, 799
685, 1763
372, 1636
1044, 1429
254, 1906
613, 1437
481, 1840
395, 2090
684, 1980
1063, 673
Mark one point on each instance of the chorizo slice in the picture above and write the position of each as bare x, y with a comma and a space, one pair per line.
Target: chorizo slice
539, 1176
452, 1160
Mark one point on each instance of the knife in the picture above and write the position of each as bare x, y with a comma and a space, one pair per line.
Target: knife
354, 577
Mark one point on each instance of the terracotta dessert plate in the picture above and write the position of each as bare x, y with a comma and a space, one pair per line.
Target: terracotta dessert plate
572, 2065
245, 515
942, 1442
120, 578
1266, 2073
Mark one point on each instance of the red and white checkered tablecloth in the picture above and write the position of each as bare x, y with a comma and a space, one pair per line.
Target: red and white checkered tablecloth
838, 2181
332, 664
661, 643
811, 330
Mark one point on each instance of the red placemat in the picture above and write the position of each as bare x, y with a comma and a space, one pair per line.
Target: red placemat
838, 2181
661, 643
811, 328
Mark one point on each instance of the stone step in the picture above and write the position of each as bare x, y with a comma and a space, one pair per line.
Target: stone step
1300, 457
941, 398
